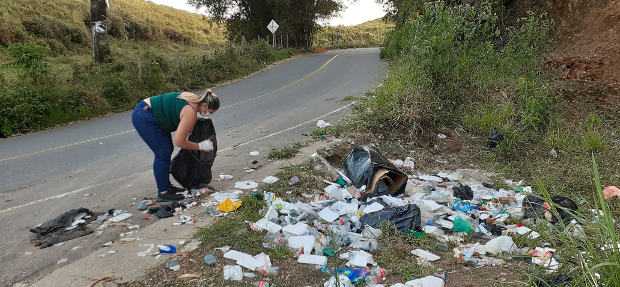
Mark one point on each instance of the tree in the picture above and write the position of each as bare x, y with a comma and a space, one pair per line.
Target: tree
249, 18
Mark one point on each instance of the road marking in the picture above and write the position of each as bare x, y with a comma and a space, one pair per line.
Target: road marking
132, 130
306, 77
89, 187
67, 145
59, 196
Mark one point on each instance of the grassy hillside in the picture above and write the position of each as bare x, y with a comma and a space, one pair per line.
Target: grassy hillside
47, 76
368, 34
63, 24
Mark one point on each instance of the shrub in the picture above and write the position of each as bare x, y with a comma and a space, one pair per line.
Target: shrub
449, 68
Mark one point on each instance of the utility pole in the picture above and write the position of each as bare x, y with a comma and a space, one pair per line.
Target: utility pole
98, 21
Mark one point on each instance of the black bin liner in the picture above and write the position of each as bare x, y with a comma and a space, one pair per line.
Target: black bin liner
405, 218
533, 207
192, 168
366, 166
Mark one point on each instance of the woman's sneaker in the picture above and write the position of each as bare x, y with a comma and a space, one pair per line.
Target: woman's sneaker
175, 189
169, 196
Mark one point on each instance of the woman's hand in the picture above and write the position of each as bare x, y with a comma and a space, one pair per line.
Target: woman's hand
206, 145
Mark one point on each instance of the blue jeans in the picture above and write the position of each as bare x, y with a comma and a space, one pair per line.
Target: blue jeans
158, 140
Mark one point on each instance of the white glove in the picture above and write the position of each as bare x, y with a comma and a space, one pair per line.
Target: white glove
206, 145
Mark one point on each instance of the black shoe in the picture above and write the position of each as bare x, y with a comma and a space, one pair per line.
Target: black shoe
169, 196
175, 189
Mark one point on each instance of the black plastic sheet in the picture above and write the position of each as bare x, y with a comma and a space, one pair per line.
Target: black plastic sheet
405, 218
365, 166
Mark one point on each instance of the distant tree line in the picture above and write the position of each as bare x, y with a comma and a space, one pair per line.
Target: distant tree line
248, 19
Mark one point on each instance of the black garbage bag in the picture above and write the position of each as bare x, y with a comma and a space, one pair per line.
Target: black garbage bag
405, 218
534, 207
365, 166
495, 138
69, 225
463, 192
192, 168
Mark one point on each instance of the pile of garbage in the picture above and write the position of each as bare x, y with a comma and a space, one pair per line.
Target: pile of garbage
345, 220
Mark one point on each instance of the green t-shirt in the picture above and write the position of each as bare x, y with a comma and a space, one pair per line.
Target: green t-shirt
167, 110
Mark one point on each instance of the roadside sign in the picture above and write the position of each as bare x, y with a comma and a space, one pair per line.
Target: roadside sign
273, 26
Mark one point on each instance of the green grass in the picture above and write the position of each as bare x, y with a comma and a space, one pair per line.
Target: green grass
154, 48
285, 152
321, 133
311, 181
61, 24
394, 254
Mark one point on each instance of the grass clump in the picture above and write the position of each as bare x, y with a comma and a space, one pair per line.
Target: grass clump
233, 230
285, 152
587, 248
310, 181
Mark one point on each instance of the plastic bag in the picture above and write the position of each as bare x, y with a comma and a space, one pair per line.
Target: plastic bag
192, 168
229, 205
536, 207
404, 218
365, 166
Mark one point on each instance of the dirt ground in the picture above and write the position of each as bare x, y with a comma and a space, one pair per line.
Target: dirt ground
588, 46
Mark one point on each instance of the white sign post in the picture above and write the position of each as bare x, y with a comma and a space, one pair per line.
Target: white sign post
273, 27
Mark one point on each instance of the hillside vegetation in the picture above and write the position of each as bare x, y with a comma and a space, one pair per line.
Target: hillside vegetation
47, 76
63, 25
457, 70
368, 34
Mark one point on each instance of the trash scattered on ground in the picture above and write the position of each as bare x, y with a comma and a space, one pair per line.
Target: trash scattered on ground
293, 180
228, 205
144, 204
321, 124
191, 246
495, 139
425, 255
184, 219
167, 249
119, 215
270, 180
428, 281
209, 259
62, 261
189, 276
233, 273
70, 225
544, 256
448, 206
173, 265
254, 153
148, 251
226, 177
246, 185
611, 192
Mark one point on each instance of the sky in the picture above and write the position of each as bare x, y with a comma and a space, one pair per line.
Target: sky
357, 12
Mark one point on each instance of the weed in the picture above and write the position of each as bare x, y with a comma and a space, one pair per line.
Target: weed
447, 69
310, 181
321, 133
285, 152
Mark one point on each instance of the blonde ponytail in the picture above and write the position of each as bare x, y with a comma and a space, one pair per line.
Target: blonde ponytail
191, 97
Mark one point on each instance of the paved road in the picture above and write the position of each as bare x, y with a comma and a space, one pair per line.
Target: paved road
89, 163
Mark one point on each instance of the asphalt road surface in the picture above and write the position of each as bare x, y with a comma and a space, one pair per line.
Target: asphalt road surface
88, 164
